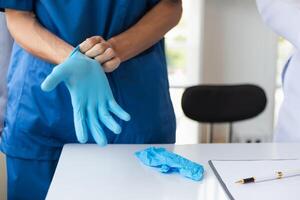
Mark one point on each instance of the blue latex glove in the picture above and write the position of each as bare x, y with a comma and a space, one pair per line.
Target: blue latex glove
168, 162
91, 96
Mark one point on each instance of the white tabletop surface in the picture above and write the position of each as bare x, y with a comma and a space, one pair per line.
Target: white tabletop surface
113, 172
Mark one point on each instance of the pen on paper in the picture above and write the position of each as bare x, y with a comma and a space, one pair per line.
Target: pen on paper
277, 175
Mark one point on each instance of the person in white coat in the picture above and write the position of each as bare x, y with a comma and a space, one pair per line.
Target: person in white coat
283, 16
6, 43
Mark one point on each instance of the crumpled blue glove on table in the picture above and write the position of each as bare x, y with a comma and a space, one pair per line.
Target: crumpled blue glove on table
169, 162
91, 96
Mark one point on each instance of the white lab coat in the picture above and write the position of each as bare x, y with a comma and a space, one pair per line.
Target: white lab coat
283, 16
6, 43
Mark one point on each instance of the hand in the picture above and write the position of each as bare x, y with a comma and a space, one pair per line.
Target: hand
99, 49
91, 96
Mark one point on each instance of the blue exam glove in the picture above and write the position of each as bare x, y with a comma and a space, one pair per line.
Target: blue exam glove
168, 162
91, 96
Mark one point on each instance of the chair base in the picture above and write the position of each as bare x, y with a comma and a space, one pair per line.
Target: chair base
210, 133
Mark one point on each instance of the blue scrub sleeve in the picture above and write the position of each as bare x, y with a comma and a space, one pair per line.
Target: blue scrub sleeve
24, 5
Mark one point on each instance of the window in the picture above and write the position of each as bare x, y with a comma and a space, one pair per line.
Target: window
183, 56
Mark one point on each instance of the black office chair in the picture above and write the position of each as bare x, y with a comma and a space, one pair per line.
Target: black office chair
223, 104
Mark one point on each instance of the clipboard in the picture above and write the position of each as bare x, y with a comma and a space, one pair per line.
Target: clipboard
229, 171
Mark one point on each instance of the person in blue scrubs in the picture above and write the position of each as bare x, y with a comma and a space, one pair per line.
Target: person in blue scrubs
125, 36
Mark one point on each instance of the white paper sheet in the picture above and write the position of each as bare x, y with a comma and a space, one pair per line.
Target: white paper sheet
284, 189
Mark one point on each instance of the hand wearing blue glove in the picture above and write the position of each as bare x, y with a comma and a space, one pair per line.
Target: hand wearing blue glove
91, 96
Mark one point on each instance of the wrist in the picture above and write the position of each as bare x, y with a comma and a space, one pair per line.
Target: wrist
64, 53
117, 45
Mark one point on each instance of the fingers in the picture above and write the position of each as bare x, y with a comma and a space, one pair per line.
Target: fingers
109, 60
97, 49
107, 55
118, 111
108, 121
80, 125
111, 65
95, 128
53, 79
89, 43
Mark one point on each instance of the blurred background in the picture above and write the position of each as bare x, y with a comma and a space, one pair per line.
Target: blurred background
225, 42
221, 42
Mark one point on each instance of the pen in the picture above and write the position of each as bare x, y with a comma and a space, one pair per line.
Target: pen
275, 176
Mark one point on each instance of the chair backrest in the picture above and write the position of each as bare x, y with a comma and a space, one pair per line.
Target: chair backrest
223, 103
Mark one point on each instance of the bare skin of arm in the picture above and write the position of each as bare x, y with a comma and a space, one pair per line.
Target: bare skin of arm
37, 40
30, 35
149, 30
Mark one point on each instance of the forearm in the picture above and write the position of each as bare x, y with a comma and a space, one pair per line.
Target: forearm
149, 30
34, 38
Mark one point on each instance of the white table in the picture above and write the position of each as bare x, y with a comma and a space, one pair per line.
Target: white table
113, 173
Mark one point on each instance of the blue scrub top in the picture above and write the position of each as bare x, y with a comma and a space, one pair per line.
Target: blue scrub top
38, 124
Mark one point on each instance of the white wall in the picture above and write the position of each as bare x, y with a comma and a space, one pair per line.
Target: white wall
190, 27
238, 48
